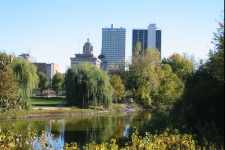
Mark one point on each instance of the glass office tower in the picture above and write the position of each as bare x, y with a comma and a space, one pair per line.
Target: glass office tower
113, 45
148, 37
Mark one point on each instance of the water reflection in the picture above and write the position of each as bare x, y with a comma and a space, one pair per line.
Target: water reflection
126, 131
83, 130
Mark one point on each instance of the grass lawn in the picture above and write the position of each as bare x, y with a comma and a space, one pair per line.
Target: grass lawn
47, 101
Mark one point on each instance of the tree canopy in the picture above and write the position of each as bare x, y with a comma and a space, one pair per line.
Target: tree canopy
171, 88
28, 78
202, 106
57, 83
87, 84
143, 76
118, 86
43, 84
8, 80
182, 66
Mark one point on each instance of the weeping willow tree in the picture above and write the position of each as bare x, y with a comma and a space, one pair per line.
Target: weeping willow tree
28, 79
86, 84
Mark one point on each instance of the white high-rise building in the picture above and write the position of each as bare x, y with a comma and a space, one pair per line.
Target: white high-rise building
113, 45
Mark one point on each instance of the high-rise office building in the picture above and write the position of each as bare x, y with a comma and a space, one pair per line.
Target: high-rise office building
113, 45
148, 37
139, 35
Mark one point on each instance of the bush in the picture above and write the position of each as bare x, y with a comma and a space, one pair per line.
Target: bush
165, 141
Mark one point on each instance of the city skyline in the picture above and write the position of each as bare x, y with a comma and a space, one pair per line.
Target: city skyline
54, 30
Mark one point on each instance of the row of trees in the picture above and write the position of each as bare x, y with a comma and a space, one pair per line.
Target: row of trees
18, 78
152, 81
202, 105
57, 83
149, 80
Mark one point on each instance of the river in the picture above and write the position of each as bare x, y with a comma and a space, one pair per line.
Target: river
87, 129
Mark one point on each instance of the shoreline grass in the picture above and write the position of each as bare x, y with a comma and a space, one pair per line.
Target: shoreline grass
47, 101
54, 107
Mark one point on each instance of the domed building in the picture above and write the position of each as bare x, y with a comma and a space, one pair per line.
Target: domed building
87, 56
103, 59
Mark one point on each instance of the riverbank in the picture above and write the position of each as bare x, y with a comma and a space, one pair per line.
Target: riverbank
59, 112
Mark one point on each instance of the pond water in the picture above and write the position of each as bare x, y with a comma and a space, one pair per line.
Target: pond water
88, 129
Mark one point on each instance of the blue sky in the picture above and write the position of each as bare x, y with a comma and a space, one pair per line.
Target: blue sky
55, 30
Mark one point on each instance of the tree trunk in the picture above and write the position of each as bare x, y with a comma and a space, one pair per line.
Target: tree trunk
41, 93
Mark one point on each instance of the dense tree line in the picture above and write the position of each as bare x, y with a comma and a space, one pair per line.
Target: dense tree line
202, 106
154, 82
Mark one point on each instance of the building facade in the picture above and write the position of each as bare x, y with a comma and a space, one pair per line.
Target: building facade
148, 37
48, 69
113, 45
139, 35
87, 56
51, 70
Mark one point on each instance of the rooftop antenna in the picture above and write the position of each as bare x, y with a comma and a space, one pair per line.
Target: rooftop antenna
88, 36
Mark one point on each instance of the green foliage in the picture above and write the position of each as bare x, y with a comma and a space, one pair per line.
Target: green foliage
12, 140
120, 71
58, 83
8, 80
182, 66
118, 86
202, 107
143, 74
215, 64
164, 141
87, 84
28, 78
43, 84
171, 88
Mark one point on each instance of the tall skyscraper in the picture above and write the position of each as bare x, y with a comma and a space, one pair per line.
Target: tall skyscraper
148, 37
139, 35
113, 45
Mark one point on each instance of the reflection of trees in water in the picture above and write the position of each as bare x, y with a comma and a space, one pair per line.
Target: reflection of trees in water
151, 121
55, 127
93, 129
97, 128
21, 126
